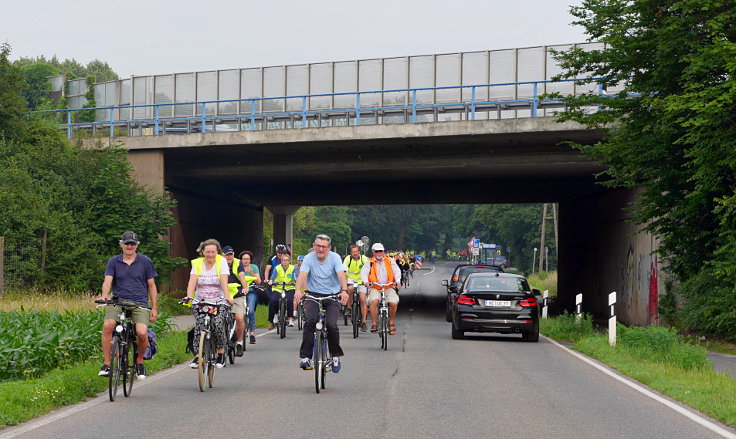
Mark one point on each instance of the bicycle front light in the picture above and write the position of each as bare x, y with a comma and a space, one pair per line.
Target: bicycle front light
319, 326
119, 328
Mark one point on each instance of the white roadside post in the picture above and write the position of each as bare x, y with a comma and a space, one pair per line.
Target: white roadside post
579, 307
545, 294
612, 319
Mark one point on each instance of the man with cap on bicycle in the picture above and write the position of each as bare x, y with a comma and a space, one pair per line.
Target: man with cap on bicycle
130, 276
382, 270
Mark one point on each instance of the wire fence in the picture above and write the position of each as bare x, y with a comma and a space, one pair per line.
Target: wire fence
19, 263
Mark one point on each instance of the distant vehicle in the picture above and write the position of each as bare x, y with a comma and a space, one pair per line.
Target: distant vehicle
458, 277
500, 302
501, 261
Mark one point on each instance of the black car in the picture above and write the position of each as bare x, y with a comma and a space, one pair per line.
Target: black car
501, 260
458, 277
500, 302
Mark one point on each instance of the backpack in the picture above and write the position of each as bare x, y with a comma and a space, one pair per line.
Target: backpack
152, 348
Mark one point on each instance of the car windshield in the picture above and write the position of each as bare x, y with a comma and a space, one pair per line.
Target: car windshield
488, 283
465, 271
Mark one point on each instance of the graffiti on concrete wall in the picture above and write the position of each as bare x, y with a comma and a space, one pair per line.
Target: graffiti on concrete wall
638, 285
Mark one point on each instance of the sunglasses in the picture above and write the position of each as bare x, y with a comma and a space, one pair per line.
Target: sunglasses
130, 243
377, 251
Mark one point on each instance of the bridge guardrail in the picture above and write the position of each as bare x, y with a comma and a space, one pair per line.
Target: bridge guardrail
255, 119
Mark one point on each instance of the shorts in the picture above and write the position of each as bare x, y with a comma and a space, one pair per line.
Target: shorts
391, 296
137, 315
238, 306
360, 288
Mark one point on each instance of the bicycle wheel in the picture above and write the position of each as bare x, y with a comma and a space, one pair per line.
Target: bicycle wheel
282, 318
129, 373
325, 362
344, 310
300, 316
211, 363
203, 356
317, 360
231, 341
355, 318
384, 327
114, 377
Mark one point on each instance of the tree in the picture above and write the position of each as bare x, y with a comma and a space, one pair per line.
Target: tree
12, 105
37, 91
672, 133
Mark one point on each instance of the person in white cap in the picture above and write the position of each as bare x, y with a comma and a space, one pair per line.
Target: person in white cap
382, 270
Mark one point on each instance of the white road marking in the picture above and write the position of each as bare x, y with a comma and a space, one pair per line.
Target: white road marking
434, 267
639, 388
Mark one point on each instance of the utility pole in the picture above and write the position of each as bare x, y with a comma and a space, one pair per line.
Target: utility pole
541, 239
557, 242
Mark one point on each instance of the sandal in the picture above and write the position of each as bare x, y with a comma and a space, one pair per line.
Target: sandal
392, 330
374, 328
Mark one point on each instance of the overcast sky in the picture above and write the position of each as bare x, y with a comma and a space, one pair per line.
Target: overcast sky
142, 37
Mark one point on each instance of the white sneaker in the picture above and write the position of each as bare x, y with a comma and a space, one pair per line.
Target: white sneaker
291, 323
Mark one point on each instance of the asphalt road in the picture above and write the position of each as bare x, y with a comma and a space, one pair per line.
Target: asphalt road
425, 386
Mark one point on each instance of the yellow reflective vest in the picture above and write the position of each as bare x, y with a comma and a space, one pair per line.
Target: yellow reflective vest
354, 267
286, 276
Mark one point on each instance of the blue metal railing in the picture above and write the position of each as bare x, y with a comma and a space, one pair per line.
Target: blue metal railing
533, 102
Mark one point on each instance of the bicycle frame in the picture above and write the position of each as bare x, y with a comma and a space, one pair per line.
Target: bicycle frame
383, 313
122, 364
321, 357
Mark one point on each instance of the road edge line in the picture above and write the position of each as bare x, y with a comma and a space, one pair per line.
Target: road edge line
698, 419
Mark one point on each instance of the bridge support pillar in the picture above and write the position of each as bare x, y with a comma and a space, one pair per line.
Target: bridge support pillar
283, 224
602, 251
200, 217
148, 168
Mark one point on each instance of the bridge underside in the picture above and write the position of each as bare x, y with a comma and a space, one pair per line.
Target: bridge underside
223, 180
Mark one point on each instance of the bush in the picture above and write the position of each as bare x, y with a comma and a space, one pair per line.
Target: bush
567, 327
660, 344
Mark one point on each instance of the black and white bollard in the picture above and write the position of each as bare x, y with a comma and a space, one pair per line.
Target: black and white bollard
612, 319
545, 294
578, 307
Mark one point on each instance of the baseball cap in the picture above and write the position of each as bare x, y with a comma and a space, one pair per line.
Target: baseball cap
300, 258
129, 238
377, 246
227, 250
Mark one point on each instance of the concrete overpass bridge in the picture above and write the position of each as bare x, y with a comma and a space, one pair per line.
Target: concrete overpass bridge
224, 168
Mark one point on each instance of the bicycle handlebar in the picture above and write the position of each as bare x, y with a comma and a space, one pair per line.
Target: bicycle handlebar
121, 303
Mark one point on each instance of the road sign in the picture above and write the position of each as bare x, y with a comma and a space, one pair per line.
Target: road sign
476, 243
489, 245
476, 251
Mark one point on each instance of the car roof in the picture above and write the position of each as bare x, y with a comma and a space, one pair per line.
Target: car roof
499, 274
489, 266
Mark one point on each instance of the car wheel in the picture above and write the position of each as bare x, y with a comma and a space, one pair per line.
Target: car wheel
457, 335
448, 313
530, 336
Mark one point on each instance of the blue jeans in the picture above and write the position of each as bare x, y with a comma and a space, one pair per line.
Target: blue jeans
252, 300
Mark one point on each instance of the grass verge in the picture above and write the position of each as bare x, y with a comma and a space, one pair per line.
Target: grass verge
27, 399
656, 357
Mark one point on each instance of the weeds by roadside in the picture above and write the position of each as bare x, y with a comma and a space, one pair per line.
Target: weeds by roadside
657, 357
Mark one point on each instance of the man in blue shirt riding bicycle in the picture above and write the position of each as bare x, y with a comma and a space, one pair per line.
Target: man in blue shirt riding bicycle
321, 274
130, 276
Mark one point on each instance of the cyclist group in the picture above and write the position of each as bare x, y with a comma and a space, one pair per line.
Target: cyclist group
216, 277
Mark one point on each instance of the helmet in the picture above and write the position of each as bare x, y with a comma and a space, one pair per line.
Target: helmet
281, 248
377, 246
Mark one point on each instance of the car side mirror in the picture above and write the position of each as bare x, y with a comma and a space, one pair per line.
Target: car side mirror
445, 283
536, 292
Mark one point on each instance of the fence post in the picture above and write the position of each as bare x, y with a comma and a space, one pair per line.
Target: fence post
2, 265
534, 101
472, 102
357, 109
578, 307
545, 295
413, 106
612, 319
204, 118
304, 111
69, 124
112, 122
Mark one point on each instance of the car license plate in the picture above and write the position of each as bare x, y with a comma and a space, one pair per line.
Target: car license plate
498, 303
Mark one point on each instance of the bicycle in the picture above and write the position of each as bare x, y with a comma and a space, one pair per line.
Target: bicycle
405, 278
281, 323
232, 338
356, 317
321, 359
207, 352
383, 326
122, 358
